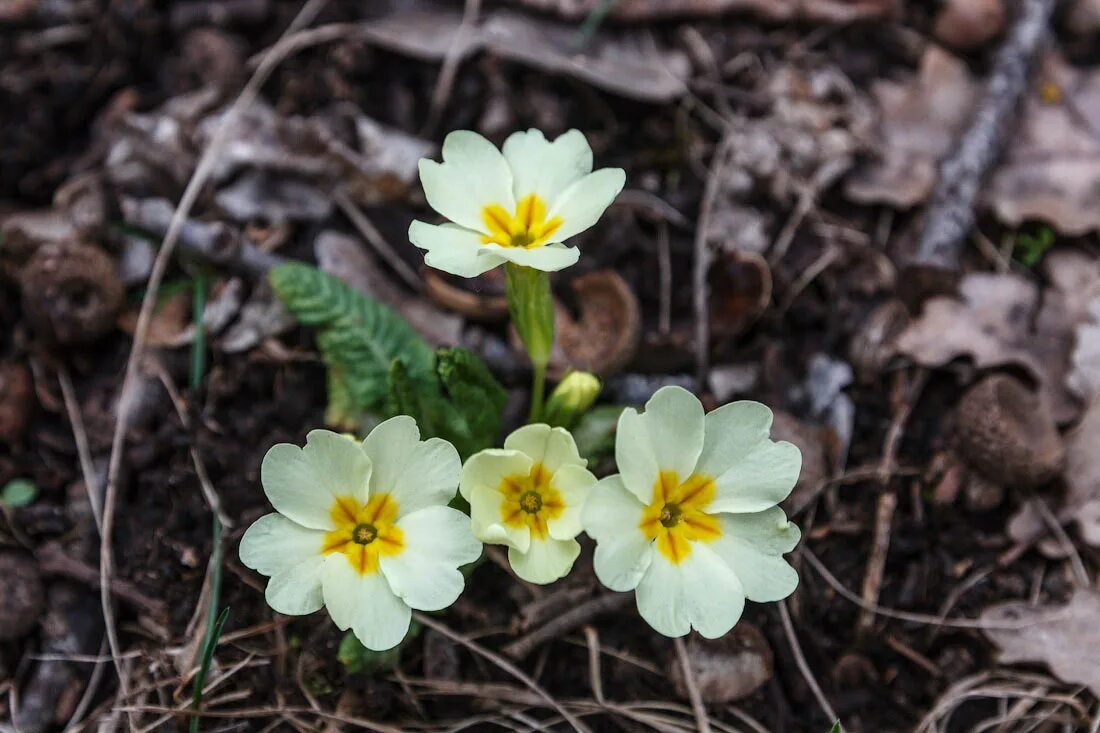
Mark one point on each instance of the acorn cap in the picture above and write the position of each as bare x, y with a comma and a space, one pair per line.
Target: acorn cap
71, 292
1007, 434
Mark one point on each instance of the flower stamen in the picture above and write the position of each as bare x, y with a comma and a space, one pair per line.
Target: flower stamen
528, 227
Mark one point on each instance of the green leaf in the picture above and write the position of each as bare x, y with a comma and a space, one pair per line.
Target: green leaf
463, 406
1030, 248
204, 666
836, 728
357, 659
18, 492
358, 337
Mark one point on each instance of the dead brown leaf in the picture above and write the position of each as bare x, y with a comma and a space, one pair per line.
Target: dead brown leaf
919, 122
628, 63
998, 321
1051, 169
1066, 638
834, 11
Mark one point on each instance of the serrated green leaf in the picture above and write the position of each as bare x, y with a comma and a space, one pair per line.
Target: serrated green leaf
358, 337
463, 406
18, 492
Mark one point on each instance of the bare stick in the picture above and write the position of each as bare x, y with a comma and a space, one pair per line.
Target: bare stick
702, 720
91, 485
126, 394
564, 623
880, 546
803, 665
951, 214
446, 80
702, 259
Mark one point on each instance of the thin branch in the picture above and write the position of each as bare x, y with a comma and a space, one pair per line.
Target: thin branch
803, 665
702, 720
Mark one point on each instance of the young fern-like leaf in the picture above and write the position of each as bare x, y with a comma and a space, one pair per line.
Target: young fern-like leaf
358, 337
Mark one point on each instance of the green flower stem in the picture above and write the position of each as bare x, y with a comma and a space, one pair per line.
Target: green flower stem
532, 309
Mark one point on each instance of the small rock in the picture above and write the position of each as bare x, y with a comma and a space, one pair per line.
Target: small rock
71, 292
1007, 434
726, 669
16, 401
22, 596
967, 24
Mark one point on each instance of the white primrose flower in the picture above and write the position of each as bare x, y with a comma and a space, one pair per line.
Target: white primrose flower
691, 521
362, 529
517, 204
528, 496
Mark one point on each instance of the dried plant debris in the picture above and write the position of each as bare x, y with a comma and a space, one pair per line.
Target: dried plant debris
1000, 320
627, 63
1051, 169
833, 11
919, 122
273, 167
71, 292
968, 24
1084, 375
1064, 638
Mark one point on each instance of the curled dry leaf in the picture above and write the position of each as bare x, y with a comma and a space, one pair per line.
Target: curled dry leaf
919, 122
740, 291
1064, 638
833, 11
1007, 435
604, 338
478, 298
624, 63
71, 292
726, 669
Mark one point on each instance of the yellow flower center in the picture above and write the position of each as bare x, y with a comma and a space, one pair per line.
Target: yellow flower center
676, 515
364, 532
527, 227
530, 500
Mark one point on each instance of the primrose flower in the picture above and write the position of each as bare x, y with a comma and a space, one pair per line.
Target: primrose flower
528, 496
362, 529
512, 205
691, 520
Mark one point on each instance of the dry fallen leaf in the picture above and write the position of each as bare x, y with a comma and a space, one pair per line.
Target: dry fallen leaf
920, 120
835, 11
998, 321
1051, 169
1084, 375
628, 63
1066, 638
725, 669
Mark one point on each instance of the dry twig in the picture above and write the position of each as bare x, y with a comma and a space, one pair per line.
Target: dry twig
876, 565
803, 665
564, 623
950, 216
701, 718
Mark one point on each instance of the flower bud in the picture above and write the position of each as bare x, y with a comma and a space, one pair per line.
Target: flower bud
573, 397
